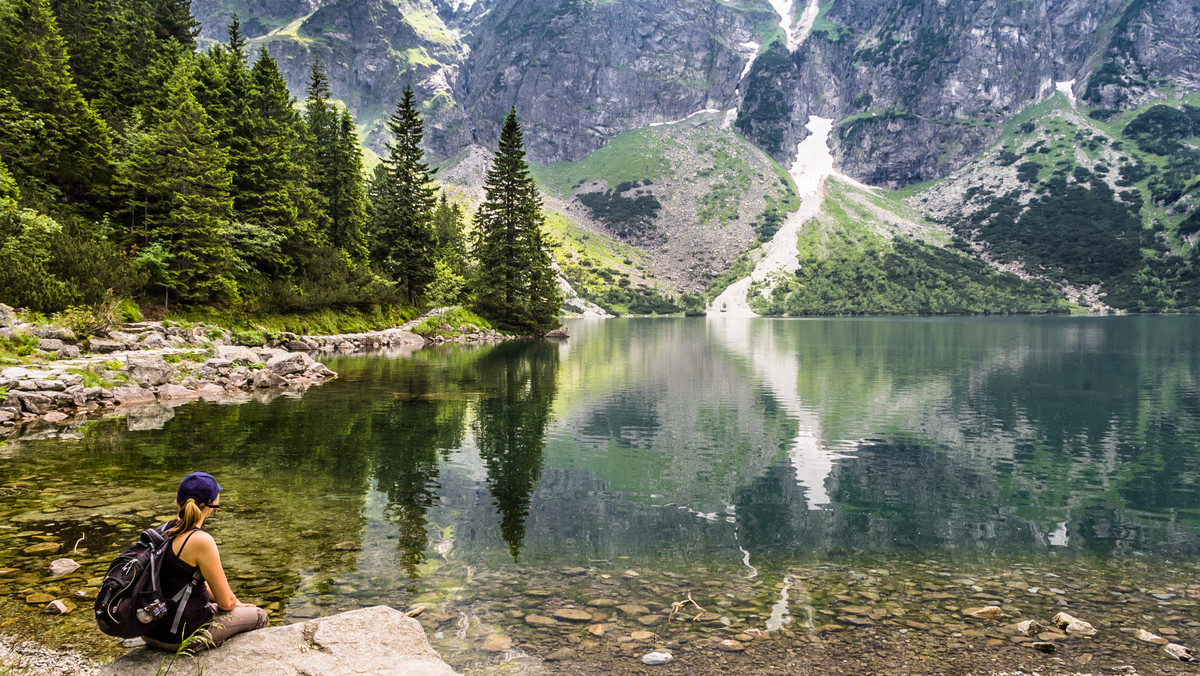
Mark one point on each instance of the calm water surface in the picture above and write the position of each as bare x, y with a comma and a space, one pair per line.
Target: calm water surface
711, 448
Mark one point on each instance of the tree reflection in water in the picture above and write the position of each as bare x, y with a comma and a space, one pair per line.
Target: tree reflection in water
519, 384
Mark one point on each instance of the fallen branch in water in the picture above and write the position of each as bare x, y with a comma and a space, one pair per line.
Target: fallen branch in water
678, 605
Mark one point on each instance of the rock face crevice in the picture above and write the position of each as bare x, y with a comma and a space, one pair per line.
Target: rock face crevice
377, 640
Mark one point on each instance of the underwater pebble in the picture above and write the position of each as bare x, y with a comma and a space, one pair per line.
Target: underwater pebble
560, 655
496, 643
573, 615
540, 621
1146, 636
1179, 652
985, 613
730, 646
1043, 646
655, 658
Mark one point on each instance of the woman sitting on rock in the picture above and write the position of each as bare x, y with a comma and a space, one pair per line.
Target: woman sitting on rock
192, 550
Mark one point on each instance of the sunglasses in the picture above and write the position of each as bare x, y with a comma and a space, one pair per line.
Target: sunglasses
214, 507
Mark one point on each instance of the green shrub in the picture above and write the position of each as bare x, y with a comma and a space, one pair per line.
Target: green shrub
456, 322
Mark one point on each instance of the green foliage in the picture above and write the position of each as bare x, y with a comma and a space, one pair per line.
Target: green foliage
451, 241
26, 246
8, 185
93, 320
335, 167
256, 329
98, 378
913, 278
637, 155
18, 344
455, 322
402, 204
449, 286
628, 211
178, 187
514, 286
66, 153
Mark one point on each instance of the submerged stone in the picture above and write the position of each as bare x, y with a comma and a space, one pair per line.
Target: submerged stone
60, 567
496, 643
560, 655
1179, 652
573, 615
540, 621
657, 657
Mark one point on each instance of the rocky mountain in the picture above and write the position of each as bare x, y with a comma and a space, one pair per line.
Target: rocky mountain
918, 91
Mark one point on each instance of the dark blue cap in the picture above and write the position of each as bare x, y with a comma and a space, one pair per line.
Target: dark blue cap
199, 486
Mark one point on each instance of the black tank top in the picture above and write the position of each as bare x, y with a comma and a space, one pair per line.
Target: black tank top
173, 575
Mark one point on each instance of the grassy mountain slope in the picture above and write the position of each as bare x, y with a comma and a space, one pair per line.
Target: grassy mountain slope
868, 253
1105, 210
692, 196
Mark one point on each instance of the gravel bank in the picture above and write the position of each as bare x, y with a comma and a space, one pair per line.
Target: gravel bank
26, 658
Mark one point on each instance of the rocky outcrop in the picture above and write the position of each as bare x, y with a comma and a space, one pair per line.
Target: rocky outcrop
918, 88
378, 640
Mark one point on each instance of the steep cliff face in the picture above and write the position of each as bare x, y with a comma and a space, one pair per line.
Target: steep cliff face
581, 72
920, 87
371, 50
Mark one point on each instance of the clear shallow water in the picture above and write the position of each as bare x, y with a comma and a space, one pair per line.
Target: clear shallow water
727, 449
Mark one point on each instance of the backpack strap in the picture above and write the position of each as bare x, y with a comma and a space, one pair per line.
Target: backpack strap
182, 596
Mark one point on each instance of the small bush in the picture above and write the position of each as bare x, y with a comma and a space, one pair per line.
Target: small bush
456, 322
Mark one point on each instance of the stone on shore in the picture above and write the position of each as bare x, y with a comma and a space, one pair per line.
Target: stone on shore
149, 370
132, 394
377, 640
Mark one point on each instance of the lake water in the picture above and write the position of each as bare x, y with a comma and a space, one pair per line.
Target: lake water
791, 474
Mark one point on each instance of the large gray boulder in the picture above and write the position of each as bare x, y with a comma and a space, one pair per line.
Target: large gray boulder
287, 364
236, 354
149, 370
378, 640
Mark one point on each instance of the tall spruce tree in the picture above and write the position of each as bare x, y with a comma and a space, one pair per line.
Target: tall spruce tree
73, 147
178, 185
335, 167
403, 202
514, 284
347, 196
278, 197
448, 230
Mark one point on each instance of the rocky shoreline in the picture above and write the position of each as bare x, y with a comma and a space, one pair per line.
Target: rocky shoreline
146, 368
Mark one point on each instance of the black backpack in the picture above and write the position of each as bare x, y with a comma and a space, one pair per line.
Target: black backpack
130, 602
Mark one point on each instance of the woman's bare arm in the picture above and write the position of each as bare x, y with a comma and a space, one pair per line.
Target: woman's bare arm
208, 559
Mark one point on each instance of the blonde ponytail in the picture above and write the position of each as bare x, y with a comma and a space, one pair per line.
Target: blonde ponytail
189, 516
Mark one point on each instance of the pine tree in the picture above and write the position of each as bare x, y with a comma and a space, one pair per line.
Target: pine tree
514, 284
335, 168
72, 142
178, 183
403, 204
347, 191
235, 124
448, 230
280, 198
